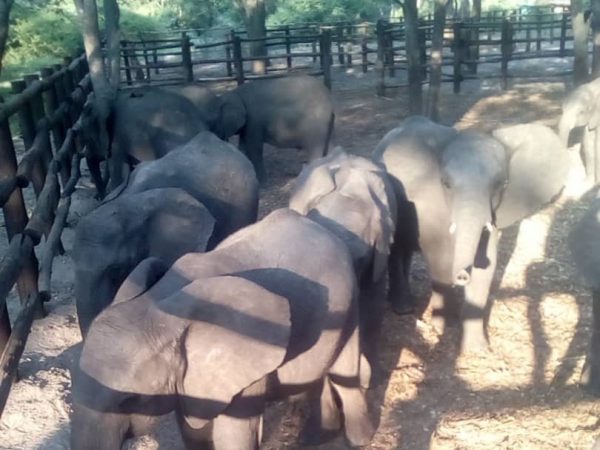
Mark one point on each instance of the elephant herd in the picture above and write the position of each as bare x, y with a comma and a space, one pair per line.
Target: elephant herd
188, 304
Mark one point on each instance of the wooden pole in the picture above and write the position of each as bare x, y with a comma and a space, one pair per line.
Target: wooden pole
365, 54
380, 63
563, 33
288, 47
538, 44
458, 56
326, 56
237, 60
506, 49
126, 62
340, 44
186, 58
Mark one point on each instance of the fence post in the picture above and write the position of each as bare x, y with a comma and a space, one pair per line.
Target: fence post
458, 55
314, 51
126, 61
288, 47
52, 104
146, 59
389, 51
38, 113
237, 60
15, 218
506, 49
325, 50
538, 43
563, 34
186, 58
365, 54
340, 46
380, 62
423, 52
155, 61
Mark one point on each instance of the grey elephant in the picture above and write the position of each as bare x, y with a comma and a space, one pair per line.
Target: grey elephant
212, 171
272, 311
353, 198
115, 237
584, 243
581, 112
294, 111
146, 123
464, 187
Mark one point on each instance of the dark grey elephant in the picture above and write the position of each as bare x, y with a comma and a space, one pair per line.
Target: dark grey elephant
579, 123
115, 237
272, 311
353, 198
294, 111
584, 242
464, 187
146, 123
212, 171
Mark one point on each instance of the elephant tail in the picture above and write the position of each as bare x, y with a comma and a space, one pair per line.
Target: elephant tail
329, 133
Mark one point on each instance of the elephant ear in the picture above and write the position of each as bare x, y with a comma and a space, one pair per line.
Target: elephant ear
383, 221
178, 224
313, 183
537, 170
232, 115
238, 333
141, 279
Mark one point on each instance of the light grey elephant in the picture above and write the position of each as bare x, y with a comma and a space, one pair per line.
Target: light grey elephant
464, 187
579, 123
584, 243
294, 111
212, 171
353, 198
146, 123
115, 237
272, 311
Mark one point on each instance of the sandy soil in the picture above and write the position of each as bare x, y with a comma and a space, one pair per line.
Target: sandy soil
521, 395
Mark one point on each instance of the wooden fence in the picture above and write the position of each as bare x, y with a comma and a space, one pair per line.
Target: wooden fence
51, 113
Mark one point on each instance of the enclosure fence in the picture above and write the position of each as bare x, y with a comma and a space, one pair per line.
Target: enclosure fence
51, 113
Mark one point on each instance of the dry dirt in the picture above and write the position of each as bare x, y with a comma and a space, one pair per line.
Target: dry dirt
522, 394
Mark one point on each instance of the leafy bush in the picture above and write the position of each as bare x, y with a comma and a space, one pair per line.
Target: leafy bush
299, 11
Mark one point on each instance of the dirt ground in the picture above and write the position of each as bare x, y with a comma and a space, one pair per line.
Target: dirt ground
522, 394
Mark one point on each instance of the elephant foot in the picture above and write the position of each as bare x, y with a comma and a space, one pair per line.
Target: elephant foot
401, 305
473, 339
590, 378
359, 432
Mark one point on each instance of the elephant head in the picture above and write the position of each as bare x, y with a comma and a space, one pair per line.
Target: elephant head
495, 182
580, 109
352, 197
115, 237
232, 115
194, 352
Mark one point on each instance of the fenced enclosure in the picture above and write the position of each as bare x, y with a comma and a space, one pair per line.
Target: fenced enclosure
51, 114
222, 55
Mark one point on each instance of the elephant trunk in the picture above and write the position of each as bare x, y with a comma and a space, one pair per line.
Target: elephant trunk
93, 293
470, 216
566, 124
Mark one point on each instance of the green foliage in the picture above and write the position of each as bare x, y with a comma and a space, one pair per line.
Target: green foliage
290, 11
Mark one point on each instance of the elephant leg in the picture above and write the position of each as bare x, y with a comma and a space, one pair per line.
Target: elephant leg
251, 143
118, 169
93, 164
399, 289
590, 375
324, 420
345, 378
588, 153
476, 295
444, 306
239, 427
597, 156
371, 303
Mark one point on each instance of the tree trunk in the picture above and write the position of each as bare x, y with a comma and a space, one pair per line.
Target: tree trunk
415, 90
595, 22
465, 9
437, 41
255, 16
5, 7
113, 38
476, 9
580, 32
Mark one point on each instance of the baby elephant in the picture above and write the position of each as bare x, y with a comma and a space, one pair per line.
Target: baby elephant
353, 198
584, 242
111, 241
272, 310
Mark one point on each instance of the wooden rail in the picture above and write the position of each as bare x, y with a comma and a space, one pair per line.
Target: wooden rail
51, 114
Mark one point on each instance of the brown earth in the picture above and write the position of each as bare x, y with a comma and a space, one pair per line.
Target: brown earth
522, 394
